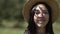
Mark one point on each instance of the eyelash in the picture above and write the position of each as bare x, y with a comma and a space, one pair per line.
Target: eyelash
43, 12
37, 12
46, 12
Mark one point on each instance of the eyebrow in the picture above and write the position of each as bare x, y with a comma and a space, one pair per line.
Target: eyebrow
39, 9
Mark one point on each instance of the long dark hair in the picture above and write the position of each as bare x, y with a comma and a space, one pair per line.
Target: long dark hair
31, 24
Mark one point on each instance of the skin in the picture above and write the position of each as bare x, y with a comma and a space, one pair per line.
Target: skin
41, 16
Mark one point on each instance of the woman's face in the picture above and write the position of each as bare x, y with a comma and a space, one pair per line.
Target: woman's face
41, 16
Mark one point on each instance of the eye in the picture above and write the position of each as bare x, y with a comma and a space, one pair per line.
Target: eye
37, 12
45, 12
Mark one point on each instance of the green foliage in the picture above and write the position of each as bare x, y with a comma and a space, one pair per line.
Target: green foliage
11, 10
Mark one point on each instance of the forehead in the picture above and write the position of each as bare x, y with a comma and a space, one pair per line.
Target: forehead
42, 6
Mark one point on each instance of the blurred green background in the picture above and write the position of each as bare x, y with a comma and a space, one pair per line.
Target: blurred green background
11, 18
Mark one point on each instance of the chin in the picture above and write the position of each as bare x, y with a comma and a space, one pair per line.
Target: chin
40, 25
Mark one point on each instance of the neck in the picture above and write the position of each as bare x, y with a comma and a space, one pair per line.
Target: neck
41, 30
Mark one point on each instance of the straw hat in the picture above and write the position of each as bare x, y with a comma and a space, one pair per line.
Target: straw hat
52, 3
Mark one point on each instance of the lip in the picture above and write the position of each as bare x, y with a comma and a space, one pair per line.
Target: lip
41, 20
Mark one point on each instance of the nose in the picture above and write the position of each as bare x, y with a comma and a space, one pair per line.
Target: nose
40, 15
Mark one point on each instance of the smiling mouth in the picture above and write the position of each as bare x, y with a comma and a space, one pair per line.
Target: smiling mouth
41, 21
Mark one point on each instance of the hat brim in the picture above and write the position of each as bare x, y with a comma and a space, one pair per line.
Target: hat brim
52, 3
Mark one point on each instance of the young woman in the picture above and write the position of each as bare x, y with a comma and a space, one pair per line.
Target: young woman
40, 17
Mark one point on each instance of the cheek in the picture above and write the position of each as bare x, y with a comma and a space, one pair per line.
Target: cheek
46, 16
46, 19
35, 19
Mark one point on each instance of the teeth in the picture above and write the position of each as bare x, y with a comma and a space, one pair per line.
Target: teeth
39, 25
40, 21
